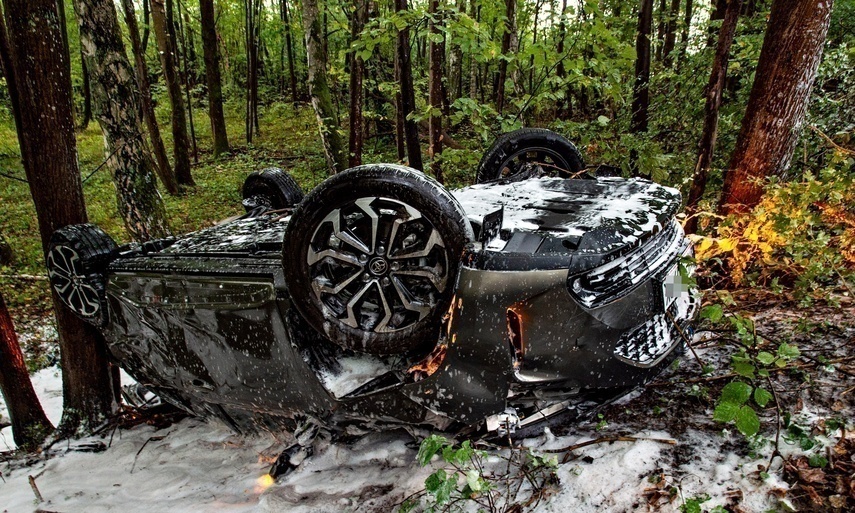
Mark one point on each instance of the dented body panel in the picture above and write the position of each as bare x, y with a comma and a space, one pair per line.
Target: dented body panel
207, 320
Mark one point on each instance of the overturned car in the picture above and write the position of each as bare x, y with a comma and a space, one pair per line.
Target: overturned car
381, 298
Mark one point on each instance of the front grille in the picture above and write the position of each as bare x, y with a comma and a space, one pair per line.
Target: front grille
617, 278
645, 345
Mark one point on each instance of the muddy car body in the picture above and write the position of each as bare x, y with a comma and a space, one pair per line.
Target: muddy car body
557, 289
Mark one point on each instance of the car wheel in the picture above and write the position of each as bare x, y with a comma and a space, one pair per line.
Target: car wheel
272, 188
77, 259
507, 157
371, 257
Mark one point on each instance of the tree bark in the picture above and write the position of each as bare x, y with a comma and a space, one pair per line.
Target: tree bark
289, 48
435, 92
507, 36
640, 90
165, 45
164, 168
408, 96
713, 94
146, 8
212, 75
357, 70
87, 95
473, 62
115, 99
49, 154
671, 33
252, 9
791, 52
30, 425
188, 73
319, 89
684, 34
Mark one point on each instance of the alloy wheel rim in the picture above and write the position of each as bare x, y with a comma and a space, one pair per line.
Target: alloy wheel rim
377, 264
65, 272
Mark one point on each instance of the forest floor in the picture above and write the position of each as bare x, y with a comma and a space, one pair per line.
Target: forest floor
657, 449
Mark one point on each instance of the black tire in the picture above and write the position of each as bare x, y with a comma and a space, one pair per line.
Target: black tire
348, 285
272, 188
77, 261
504, 159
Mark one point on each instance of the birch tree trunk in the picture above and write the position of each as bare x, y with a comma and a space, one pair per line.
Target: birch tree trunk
49, 154
212, 76
165, 46
164, 168
713, 94
30, 425
115, 100
789, 58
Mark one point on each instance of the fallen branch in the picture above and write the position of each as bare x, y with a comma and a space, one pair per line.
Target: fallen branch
607, 439
35, 489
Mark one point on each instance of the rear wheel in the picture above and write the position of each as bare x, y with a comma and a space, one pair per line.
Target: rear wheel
371, 257
270, 188
77, 261
513, 153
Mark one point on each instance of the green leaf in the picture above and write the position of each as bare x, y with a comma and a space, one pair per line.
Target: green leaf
817, 461
762, 397
430, 446
788, 351
725, 412
473, 480
712, 312
747, 421
435, 480
744, 369
736, 392
765, 357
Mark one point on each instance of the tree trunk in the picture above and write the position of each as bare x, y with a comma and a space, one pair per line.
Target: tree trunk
455, 62
146, 9
510, 14
786, 70
660, 29
251, 10
671, 33
49, 154
30, 425
164, 168
289, 47
87, 95
473, 62
408, 95
357, 70
165, 45
319, 89
187, 73
713, 94
563, 110
212, 75
684, 35
115, 100
435, 92
640, 90
400, 143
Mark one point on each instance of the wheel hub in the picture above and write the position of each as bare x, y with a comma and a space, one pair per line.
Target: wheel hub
378, 266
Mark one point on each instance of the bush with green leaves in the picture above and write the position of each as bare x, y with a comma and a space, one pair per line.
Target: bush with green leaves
493, 481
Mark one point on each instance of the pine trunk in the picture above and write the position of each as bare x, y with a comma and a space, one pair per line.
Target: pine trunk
49, 154
408, 95
319, 89
164, 168
212, 75
357, 70
165, 46
792, 49
713, 94
30, 425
